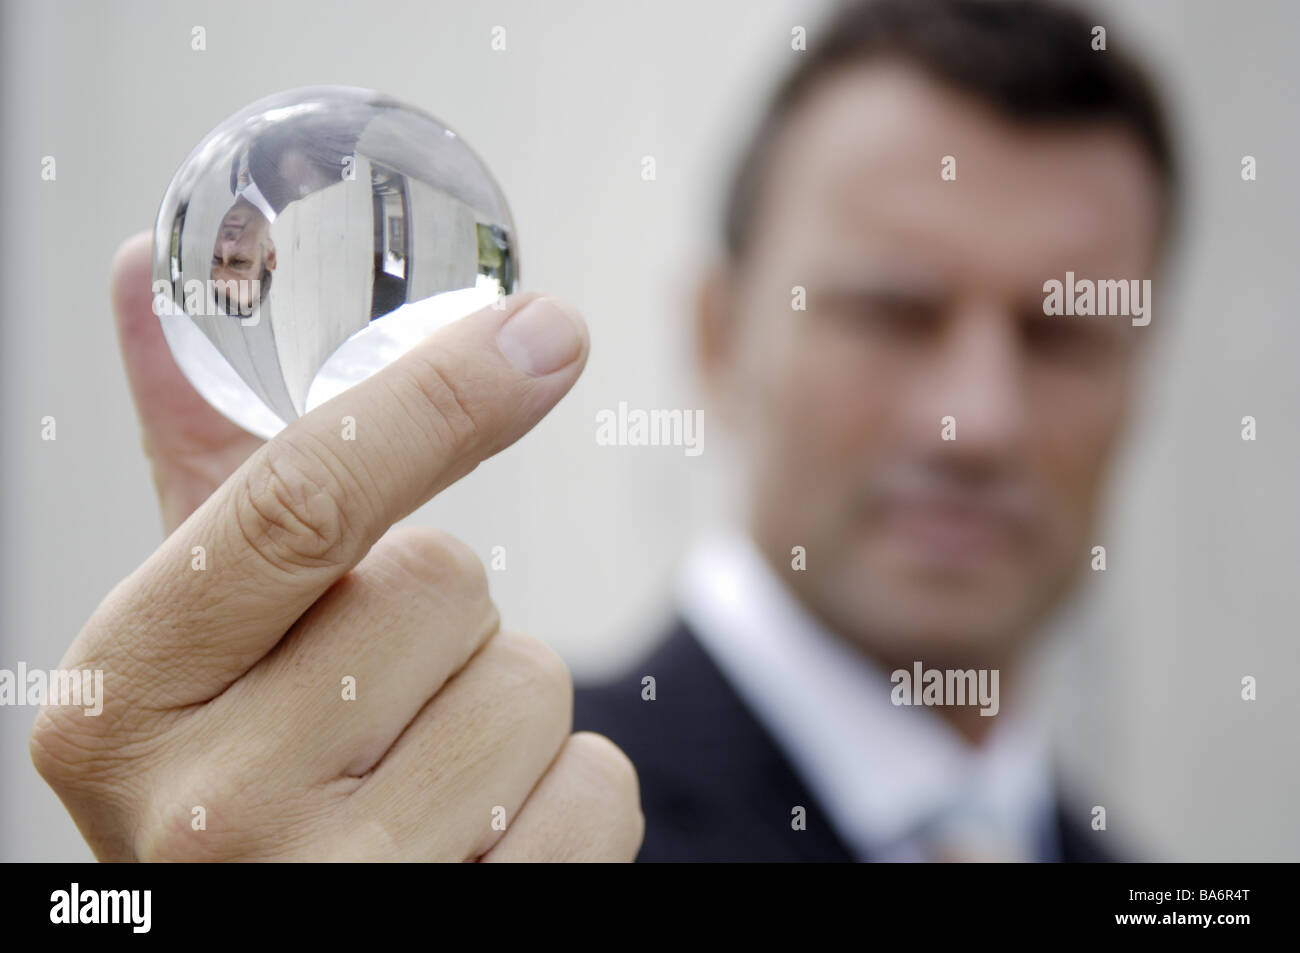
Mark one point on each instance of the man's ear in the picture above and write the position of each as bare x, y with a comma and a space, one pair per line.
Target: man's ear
270, 257
716, 336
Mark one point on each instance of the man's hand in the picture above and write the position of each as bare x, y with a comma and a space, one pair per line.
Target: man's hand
230, 727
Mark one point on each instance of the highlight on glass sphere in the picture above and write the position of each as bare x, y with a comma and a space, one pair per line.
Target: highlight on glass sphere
313, 238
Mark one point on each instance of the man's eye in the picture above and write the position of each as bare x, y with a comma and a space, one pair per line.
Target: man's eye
1067, 337
897, 315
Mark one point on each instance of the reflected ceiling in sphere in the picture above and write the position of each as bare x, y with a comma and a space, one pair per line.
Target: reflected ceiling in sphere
313, 238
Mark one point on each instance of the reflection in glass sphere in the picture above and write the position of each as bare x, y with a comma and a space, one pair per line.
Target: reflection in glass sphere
313, 238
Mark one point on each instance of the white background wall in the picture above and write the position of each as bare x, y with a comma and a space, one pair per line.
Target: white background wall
1202, 585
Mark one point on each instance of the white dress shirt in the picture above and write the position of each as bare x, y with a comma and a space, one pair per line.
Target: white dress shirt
882, 772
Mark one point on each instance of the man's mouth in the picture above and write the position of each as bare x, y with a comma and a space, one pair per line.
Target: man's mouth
949, 535
947, 527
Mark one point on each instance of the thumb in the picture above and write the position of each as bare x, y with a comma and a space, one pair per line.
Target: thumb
191, 446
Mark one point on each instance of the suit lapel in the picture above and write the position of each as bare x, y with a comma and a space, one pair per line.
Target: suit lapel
714, 784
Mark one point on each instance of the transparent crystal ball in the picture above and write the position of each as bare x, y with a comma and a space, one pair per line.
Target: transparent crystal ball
313, 238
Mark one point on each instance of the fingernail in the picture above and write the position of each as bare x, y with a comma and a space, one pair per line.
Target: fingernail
541, 337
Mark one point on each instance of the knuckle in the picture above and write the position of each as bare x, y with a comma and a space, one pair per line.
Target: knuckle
453, 420
611, 785
206, 826
292, 510
176, 832
102, 780
440, 559
608, 767
203, 816
53, 756
536, 675
67, 754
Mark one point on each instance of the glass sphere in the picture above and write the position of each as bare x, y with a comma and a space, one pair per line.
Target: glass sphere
313, 238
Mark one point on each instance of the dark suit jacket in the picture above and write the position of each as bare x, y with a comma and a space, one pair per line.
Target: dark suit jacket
714, 784
322, 141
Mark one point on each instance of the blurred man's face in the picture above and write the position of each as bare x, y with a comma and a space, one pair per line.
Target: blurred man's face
242, 248
925, 300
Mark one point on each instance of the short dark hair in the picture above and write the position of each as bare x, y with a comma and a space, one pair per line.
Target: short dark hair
1032, 61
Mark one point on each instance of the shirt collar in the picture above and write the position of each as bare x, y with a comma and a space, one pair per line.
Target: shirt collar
879, 770
254, 196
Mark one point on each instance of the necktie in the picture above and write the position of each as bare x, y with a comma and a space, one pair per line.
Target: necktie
966, 830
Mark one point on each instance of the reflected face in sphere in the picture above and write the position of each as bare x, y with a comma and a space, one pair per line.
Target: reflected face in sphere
243, 253
378, 224
924, 301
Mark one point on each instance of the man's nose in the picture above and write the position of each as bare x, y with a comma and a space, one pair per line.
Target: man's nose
978, 379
